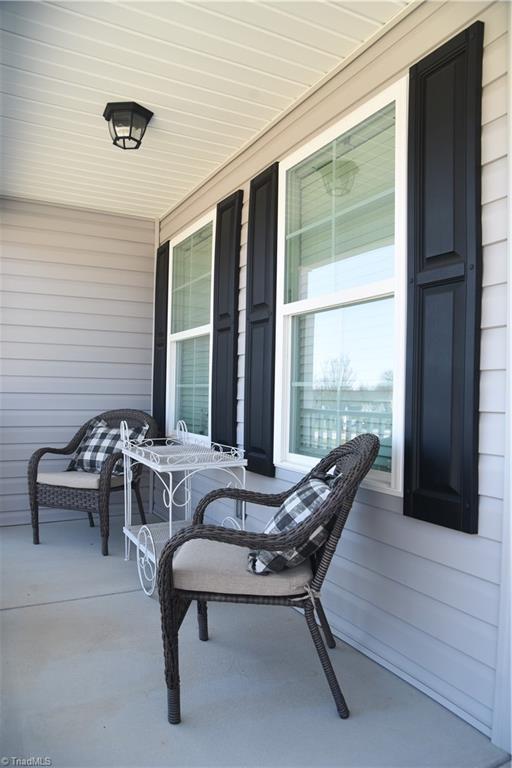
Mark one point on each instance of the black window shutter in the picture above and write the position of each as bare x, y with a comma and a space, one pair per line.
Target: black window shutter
444, 285
160, 335
225, 319
260, 328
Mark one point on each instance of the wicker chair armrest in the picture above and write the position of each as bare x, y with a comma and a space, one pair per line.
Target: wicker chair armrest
33, 464
238, 494
107, 469
66, 450
36, 457
41, 451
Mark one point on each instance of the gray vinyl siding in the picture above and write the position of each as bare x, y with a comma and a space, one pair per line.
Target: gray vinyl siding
76, 311
420, 599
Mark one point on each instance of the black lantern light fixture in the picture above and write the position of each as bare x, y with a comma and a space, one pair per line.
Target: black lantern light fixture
344, 177
127, 123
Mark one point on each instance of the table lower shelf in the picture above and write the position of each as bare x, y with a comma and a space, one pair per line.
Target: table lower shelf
159, 534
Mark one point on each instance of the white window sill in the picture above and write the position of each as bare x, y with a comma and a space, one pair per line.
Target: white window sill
293, 472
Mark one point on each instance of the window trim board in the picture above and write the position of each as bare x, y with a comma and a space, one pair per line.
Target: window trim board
397, 92
203, 330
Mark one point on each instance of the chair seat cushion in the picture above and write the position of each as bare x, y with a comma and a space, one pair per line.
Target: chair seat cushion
201, 565
86, 480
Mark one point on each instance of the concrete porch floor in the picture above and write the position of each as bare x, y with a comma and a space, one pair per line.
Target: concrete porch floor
82, 673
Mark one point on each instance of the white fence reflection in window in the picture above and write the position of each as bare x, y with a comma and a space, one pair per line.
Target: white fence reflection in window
342, 378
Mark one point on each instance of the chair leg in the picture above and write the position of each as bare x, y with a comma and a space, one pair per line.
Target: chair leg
91, 519
104, 523
174, 705
173, 613
138, 496
329, 639
34, 508
339, 700
202, 619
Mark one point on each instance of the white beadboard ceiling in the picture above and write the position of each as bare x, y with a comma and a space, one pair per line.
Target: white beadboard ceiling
214, 73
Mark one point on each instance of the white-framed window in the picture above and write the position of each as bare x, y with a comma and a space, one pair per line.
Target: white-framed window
340, 337
189, 358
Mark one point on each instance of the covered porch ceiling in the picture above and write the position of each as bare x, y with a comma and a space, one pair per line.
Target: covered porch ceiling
216, 74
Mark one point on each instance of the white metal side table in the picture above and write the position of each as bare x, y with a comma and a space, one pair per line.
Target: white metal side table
177, 454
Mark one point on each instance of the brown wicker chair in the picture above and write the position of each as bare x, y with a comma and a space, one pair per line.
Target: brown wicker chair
208, 568
95, 496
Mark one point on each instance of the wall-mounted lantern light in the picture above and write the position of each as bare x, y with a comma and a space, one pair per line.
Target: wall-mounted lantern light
344, 177
127, 123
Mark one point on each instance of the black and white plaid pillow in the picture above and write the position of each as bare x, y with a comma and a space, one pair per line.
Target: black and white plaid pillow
294, 510
99, 442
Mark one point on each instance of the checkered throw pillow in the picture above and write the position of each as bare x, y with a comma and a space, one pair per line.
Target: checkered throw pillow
294, 510
99, 442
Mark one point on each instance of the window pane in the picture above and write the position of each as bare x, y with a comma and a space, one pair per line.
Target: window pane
340, 210
192, 383
191, 281
342, 378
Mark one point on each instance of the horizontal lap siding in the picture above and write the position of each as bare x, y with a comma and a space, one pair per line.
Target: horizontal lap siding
76, 313
494, 294
420, 599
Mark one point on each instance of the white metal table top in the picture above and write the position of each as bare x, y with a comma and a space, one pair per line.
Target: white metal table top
175, 453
